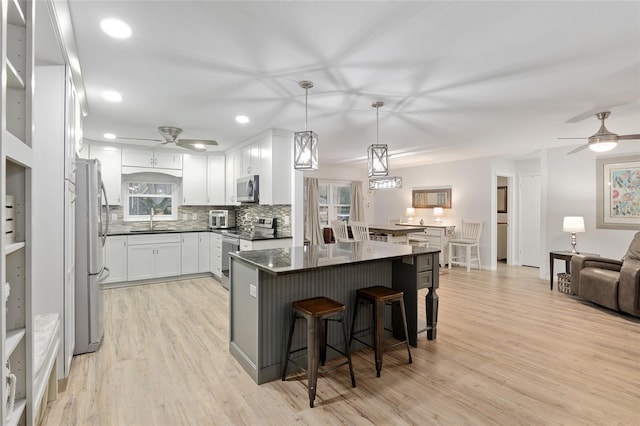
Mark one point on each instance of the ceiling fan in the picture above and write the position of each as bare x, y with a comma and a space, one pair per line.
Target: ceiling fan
603, 140
170, 135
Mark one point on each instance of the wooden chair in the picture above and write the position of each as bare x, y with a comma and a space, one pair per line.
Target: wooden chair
360, 231
469, 238
340, 232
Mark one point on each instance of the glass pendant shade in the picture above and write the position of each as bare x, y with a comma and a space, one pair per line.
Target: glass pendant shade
305, 150
377, 159
305, 144
390, 182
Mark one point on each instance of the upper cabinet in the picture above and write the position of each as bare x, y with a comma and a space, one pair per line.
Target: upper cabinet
110, 158
216, 180
141, 160
268, 155
230, 182
194, 180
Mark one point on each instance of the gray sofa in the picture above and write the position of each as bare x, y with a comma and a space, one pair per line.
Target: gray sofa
612, 283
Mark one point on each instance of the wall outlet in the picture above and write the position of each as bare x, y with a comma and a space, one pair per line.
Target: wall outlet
194, 216
114, 217
185, 216
252, 290
286, 220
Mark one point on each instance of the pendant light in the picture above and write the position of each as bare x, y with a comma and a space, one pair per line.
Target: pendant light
377, 157
305, 144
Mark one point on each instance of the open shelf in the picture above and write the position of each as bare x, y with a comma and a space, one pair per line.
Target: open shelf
10, 248
13, 340
15, 13
16, 414
14, 80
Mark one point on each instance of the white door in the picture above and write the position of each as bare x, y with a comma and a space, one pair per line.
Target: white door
203, 252
116, 258
530, 220
230, 180
215, 180
141, 259
111, 171
190, 253
194, 180
167, 160
168, 259
137, 158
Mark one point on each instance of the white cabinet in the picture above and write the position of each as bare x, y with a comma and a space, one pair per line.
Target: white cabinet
265, 244
230, 181
190, 253
110, 158
116, 256
153, 256
269, 155
203, 252
194, 180
215, 180
215, 254
435, 236
151, 159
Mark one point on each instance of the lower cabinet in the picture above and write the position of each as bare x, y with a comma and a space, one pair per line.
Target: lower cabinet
215, 254
115, 252
153, 256
189, 253
203, 252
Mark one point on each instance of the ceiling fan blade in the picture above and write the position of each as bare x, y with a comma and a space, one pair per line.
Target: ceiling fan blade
192, 148
578, 149
139, 139
574, 138
194, 141
628, 137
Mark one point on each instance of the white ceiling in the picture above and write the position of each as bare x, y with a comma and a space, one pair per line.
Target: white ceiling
459, 79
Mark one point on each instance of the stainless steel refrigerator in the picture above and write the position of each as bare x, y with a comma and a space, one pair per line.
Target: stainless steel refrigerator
91, 234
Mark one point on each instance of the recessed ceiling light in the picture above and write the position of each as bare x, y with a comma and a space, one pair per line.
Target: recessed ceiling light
109, 136
115, 28
242, 119
112, 96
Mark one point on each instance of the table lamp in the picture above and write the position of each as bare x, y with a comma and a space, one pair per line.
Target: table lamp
573, 224
437, 212
409, 213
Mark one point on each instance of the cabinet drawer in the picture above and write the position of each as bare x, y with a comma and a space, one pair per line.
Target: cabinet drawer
423, 263
424, 279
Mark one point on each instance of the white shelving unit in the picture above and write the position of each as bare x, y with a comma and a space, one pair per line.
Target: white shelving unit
16, 162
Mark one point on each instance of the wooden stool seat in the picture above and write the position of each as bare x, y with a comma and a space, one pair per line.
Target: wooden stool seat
317, 312
379, 297
318, 306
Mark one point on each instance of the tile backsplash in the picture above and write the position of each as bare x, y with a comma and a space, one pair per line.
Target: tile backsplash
197, 218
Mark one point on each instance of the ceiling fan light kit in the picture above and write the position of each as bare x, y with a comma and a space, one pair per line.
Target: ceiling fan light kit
603, 140
305, 144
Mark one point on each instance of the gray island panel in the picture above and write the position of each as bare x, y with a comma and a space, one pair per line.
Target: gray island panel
263, 283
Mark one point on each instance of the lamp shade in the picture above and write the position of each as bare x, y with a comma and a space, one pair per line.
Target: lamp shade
438, 211
410, 211
573, 224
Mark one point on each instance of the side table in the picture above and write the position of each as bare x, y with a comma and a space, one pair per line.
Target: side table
562, 255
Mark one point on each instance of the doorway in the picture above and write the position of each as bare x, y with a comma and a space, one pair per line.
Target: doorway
503, 214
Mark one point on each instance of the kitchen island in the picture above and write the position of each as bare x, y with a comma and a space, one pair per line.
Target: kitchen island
263, 283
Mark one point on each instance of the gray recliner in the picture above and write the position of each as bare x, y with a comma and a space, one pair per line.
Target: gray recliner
612, 283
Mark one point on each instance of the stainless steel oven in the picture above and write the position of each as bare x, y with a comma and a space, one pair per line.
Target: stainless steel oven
230, 243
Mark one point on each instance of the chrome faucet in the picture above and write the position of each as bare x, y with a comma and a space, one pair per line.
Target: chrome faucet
151, 219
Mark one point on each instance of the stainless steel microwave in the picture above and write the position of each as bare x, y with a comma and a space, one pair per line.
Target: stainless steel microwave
248, 189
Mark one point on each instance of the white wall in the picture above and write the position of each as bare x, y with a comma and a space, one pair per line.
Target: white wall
472, 196
570, 190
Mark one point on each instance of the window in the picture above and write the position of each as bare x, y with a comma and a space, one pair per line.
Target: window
334, 202
142, 195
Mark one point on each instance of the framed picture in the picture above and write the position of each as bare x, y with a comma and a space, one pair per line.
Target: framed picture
429, 198
502, 199
618, 192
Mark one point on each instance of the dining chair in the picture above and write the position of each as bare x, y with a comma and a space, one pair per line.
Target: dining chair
340, 232
469, 238
360, 231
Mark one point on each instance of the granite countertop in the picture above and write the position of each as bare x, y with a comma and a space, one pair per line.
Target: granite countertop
243, 235
298, 259
155, 231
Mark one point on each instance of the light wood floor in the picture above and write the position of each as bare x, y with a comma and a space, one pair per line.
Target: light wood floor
509, 351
